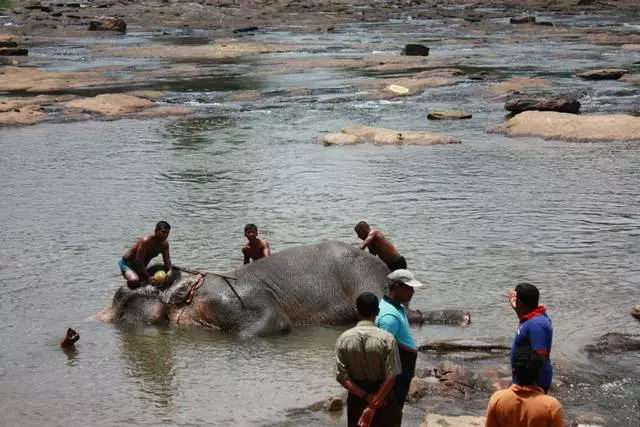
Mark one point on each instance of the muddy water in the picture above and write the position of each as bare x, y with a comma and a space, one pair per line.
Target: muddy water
472, 221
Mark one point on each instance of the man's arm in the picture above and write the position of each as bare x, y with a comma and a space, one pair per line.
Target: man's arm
375, 402
266, 250
245, 252
369, 240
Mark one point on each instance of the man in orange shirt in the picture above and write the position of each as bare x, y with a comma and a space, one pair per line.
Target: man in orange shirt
524, 404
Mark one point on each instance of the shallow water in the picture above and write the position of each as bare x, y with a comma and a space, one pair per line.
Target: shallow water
471, 219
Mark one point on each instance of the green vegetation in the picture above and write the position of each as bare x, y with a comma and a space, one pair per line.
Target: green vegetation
5, 4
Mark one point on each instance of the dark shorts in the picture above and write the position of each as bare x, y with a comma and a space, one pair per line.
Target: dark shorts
397, 264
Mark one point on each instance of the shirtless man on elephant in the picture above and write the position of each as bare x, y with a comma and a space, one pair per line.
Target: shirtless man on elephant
379, 245
133, 264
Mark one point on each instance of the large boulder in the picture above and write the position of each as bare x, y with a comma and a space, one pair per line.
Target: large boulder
571, 127
562, 105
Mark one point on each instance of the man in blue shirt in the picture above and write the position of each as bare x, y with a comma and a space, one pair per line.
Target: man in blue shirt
534, 329
393, 319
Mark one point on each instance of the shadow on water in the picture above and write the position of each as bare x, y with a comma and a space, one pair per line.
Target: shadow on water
149, 358
194, 133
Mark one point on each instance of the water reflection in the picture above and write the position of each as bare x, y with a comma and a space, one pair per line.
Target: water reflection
149, 359
195, 133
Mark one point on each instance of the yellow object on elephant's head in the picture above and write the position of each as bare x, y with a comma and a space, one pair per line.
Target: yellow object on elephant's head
160, 276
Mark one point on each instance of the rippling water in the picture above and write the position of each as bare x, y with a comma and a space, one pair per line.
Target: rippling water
472, 221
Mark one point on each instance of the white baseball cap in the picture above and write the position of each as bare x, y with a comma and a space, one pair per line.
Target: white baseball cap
404, 276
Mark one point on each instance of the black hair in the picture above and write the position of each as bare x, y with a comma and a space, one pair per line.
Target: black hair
367, 304
163, 225
527, 365
361, 224
250, 227
528, 295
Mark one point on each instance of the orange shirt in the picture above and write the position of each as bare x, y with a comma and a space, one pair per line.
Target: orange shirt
524, 406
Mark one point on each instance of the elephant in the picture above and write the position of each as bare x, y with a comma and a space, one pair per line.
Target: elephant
313, 284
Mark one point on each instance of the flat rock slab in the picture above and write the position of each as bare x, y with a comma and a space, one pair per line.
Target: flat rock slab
381, 136
517, 84
448, 115
603, 74
110, 105
571, 127
631, 78
463, 345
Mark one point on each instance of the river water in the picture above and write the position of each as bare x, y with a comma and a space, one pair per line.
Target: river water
472, 220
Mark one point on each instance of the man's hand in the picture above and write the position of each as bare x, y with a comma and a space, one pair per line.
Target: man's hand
152, 281
367, 417
511, 296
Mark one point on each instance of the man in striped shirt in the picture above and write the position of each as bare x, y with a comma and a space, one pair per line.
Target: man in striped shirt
367, 362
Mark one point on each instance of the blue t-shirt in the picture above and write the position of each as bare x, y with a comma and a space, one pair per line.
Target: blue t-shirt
538, 333
393, 319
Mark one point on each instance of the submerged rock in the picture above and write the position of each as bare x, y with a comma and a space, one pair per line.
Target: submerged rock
636, 312
603, 74
448, 115
571, 127
614, 342
523, 20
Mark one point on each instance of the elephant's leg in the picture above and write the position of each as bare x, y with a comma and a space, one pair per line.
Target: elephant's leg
272, 321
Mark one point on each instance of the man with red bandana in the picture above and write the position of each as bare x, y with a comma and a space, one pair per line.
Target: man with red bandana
534, 329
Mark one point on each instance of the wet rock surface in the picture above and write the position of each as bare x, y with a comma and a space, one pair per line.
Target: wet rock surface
571, 127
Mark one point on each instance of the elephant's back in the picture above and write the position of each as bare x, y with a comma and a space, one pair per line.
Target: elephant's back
318, 283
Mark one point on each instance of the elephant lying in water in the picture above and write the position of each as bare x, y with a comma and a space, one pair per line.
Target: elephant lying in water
312, 284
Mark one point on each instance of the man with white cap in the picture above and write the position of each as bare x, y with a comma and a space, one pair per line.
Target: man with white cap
393, 319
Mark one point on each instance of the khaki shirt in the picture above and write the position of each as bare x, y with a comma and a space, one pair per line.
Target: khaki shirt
367, 352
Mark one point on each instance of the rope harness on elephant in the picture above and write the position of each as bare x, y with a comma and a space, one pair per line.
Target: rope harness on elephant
201, 274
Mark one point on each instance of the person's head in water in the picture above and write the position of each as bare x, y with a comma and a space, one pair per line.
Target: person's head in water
362, 229
367, 306
402, 285
251, 232
527, 297
527, 365
70, 338
162, 230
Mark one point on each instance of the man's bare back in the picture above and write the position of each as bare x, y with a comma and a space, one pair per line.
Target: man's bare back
379, 245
